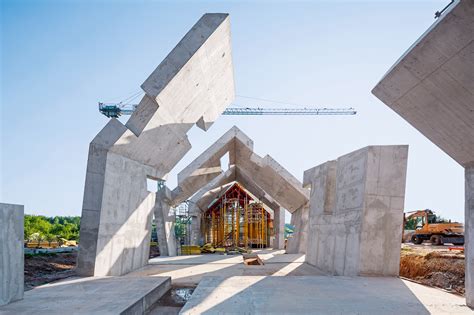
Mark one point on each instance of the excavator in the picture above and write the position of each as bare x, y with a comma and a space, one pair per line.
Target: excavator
429, 227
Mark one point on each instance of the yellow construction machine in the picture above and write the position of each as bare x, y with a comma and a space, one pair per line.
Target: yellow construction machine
428, 226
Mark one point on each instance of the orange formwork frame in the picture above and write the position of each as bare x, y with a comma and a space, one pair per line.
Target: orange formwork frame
237, 221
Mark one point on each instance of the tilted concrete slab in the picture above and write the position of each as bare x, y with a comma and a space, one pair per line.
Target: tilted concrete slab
219, 184
265, 172
356, 212
207, 165
263, 178
11, 253
203, 197
432, 87
193, 85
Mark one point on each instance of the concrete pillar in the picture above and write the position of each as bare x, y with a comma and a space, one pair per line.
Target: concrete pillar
322, 181
11, 253
279, 225
299, 241
469, 236
196, 233
165, 219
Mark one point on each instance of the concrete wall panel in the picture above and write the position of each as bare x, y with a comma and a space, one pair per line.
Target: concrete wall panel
11, 253
359, 233
125, 217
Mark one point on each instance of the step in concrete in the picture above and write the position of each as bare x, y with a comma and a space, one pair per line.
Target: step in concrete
92, 295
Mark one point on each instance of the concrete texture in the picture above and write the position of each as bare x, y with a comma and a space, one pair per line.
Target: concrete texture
264, 174
11, 253
204, 179
469, 236
432, 84
164, 219
298, 242
356, 212
319, 295
279, 226
432, 87
92, 295
192, 85
190, 270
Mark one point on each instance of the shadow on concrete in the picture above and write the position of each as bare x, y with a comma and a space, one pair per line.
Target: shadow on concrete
189, 270
304, 295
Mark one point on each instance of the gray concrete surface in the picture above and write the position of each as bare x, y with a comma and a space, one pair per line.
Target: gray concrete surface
279, 227
356, 212
298, 242
192, 85
165, 219
204, 179
432, 84
11, 253
469, 236
319, 295
432, 87
189, 270
276, 184
92, 295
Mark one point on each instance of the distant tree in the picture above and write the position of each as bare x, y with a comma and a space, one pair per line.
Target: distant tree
63, 227
410, 224
50, 238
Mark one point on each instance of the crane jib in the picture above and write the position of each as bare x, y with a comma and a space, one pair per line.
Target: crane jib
115, 110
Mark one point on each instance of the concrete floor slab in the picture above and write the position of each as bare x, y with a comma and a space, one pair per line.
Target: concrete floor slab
319, 295
189, 270
92, 295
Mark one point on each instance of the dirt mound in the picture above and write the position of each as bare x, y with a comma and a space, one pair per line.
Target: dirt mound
41, 269
434, 269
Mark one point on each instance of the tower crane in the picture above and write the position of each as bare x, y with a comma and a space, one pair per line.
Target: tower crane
115, 110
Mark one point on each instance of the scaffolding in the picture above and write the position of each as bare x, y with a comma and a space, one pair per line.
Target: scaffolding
182, 227
236, 220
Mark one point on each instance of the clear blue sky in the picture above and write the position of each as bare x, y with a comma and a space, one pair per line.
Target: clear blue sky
59, 58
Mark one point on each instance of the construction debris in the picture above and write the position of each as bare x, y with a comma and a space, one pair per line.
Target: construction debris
190, 250
252, 260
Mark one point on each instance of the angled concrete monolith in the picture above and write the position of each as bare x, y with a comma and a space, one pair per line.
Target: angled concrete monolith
192, 85
431, 87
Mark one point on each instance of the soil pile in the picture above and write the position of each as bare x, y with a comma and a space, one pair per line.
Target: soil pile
437, 269
45, 268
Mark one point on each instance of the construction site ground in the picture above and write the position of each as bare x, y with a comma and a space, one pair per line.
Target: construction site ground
435, 266
46, 268
223, 284
270, 282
